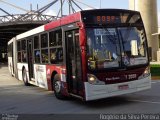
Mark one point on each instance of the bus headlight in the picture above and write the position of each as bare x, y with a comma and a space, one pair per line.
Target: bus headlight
147, 70
91, 79
145, 74
94, 80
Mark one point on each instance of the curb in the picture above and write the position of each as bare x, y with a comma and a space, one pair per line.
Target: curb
155, 77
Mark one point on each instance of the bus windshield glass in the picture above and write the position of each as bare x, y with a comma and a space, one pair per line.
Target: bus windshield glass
116, 47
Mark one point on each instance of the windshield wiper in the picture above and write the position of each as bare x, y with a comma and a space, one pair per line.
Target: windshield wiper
110, 35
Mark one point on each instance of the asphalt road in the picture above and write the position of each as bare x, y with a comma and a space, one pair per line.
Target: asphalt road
19, 99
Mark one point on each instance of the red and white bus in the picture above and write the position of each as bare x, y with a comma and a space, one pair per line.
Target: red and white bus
90, 54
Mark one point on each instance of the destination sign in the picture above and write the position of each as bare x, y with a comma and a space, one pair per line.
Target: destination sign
107, 19
110, 19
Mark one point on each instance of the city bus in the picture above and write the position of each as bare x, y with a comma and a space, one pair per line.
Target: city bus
90, 54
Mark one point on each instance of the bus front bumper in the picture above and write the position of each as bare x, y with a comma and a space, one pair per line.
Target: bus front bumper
94, 92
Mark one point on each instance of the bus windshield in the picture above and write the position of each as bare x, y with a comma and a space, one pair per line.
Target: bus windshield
116, 47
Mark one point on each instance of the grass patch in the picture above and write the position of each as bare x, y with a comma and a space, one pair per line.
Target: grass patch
155, 69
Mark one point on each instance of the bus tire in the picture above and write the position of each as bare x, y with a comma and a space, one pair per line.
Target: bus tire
25, 78
57, 88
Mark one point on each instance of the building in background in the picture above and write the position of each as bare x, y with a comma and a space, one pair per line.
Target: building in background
159, 34
158, 52
148, 10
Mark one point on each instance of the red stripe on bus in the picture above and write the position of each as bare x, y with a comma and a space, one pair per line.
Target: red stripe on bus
63, 21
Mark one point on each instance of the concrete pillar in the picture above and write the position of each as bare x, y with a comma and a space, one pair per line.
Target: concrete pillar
148, 10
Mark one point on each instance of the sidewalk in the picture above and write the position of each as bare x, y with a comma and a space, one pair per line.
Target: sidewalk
155, 63
155, 77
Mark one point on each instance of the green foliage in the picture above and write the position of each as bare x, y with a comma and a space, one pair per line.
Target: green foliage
155, 69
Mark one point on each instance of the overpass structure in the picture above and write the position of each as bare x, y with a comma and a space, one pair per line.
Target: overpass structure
12, 25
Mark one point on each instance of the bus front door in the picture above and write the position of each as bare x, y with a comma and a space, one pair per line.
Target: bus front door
30, 58
73, 62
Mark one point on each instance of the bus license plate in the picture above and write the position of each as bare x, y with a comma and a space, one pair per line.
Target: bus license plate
123, 87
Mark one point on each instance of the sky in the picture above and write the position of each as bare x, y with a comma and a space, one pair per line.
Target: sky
25, 4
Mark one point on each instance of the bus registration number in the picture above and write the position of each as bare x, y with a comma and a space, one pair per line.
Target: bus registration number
131, 76
123, 87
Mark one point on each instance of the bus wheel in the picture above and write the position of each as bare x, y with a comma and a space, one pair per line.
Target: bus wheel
25, 78
57, 88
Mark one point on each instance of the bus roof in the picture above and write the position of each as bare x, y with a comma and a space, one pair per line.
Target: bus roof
31, 32
66, 20
10, 41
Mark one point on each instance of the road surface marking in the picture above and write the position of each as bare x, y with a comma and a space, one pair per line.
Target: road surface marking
156, 82
152, 102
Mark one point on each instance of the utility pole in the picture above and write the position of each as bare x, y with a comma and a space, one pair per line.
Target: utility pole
31, 7
100, 3
61, 8
69, 6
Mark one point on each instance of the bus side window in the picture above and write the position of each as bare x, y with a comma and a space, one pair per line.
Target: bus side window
36, 42
24, 56
53, 55
52, 39
24, 53
44, 40
19, 51
19, 56
56, 55
37, 56
44, 48
60, 54
36, 49
55, 44
59, 37
44, 55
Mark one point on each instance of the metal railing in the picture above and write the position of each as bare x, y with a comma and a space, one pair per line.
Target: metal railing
26, 18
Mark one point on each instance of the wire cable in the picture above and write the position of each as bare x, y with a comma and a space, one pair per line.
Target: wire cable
14, 6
